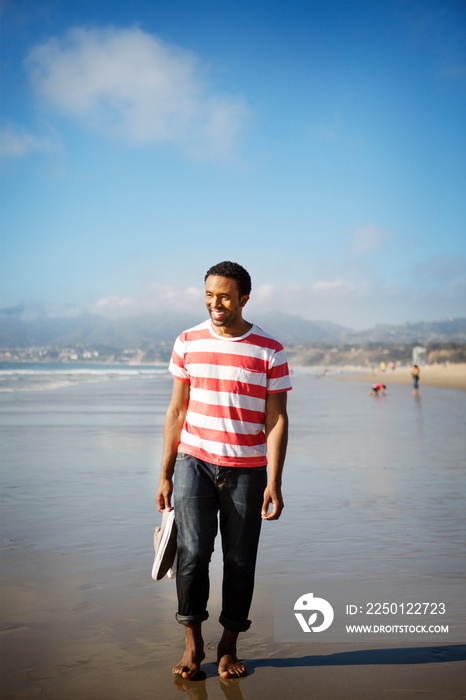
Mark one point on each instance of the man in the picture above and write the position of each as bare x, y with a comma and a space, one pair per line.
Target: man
226, 420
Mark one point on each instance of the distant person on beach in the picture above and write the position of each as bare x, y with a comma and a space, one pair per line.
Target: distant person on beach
415, 373
376, 389
226, 421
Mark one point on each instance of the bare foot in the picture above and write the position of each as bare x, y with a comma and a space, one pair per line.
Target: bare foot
190, 663
229, 666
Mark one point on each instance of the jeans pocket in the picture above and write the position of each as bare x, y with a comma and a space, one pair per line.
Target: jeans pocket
182, 457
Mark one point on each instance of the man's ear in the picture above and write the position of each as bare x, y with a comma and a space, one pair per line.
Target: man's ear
243, 300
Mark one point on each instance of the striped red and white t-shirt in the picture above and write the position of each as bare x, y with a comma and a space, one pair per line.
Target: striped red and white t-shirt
229, 381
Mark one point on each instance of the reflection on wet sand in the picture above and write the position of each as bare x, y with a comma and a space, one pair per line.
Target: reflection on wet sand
197, 689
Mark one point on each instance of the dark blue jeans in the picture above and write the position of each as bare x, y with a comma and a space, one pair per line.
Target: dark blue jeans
201, 491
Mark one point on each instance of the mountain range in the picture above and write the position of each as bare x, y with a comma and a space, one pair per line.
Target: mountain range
22, 327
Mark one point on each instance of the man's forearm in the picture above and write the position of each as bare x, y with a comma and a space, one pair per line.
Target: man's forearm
276, 431
277, 441
171, 440
172, 434
173, 426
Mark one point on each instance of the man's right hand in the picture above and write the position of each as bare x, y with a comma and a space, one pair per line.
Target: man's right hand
163, 495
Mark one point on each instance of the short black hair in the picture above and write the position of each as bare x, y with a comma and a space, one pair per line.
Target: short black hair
233, 271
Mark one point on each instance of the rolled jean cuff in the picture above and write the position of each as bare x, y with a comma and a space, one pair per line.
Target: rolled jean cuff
234, 626
189, 620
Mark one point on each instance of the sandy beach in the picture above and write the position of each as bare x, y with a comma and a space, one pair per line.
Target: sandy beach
451, 376
374, 508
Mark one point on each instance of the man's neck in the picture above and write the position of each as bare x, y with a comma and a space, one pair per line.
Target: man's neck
235, 331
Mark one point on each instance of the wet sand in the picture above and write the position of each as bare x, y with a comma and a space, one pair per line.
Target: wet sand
374, 494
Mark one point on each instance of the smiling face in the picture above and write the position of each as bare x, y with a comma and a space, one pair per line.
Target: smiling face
225, 306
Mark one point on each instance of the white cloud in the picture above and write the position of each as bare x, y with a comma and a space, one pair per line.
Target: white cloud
441, 269
326, 299
369, 238
353, 297
16, 142
114, 304
263, 292
157, 298
325, 285
129, 84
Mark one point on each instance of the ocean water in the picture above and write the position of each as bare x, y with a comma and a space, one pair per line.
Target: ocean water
34, 376
375, 498
390, 465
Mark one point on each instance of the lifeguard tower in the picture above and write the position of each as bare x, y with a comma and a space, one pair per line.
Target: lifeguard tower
419, 355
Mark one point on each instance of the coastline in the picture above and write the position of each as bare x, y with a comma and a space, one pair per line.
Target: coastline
451, 376
17, 376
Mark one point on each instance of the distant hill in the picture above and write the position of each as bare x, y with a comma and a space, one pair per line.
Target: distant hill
294, 329
22, 327
423, 332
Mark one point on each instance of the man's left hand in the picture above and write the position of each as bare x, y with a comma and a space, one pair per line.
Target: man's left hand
272, 495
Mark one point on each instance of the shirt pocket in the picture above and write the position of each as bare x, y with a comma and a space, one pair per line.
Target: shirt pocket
253, 377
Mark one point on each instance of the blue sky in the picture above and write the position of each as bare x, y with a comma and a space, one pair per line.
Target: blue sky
321, 145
